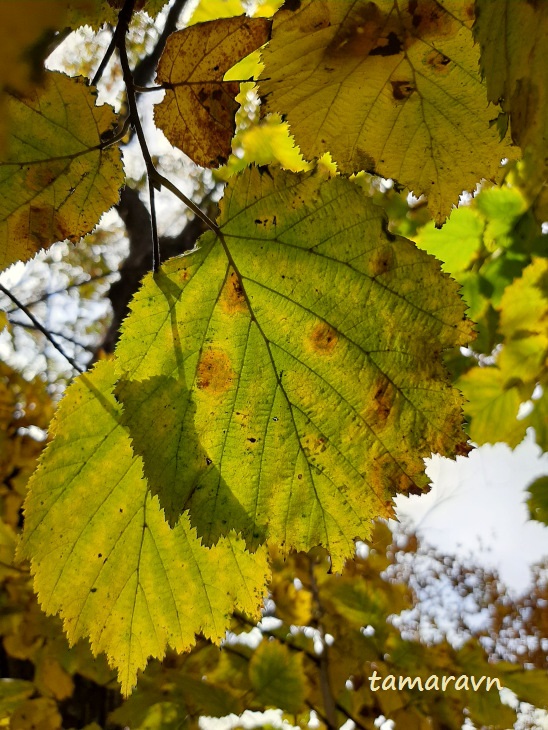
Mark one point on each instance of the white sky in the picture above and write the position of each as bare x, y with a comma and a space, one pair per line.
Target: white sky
477, 507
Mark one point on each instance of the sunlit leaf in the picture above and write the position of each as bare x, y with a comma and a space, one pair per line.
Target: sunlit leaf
493, 404
524, 323
102, 554
457, 243
285, 381
56, 180
386, 87
197, 112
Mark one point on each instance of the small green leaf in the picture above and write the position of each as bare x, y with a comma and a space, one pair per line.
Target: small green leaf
538, 501
277, 677
493, 406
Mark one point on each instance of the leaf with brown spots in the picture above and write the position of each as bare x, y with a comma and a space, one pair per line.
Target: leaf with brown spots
55, 179
289, 384
389, 87
197, 112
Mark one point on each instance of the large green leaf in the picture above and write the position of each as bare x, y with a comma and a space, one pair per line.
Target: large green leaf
56, 180
285, 380
102, 554
389, 87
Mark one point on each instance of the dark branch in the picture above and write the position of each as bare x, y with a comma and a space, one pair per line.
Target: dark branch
48, 294
136, 218
27, 326
156, 180
104, 62
145, 69
40, 328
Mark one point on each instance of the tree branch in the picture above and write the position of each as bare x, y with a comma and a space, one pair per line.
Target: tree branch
40, 328
28, 326
48, 294
136, 218
146, 67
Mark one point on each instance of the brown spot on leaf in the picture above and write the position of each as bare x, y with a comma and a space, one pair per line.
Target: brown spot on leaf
40, 226
383, 400
214, 373
429, 18
389, 46
232, 297
323, 338
365, 30
402, 89
382, 260
364, 161
437, 61
39, 176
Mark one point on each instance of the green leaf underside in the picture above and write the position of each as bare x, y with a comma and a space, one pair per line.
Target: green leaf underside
516, 71
54, 182
292, 398
392, 88
102, 554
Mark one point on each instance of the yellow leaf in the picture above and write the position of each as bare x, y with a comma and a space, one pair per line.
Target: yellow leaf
55, 180
197, 112
21, 56
524, 323
493, 405
38, 714
391, 88
287, 383
104, 557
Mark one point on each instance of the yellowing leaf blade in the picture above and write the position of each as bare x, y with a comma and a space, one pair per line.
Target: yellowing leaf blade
105, 559
391, 88
197, 112
283, 381
55, 180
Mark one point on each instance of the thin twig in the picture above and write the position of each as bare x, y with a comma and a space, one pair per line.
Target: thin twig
40, 327
27, 326
48, 294
146, 89
156, 180
329, 702
106, 58
154, 227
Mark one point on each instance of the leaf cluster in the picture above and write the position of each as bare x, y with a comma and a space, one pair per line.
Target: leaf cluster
274, 388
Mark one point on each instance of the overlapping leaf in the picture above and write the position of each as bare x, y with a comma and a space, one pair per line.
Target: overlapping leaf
55, 180
285, 380
102, 554
197, 112
513, 60
388, 87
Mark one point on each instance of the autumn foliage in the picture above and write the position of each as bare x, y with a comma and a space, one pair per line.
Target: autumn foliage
281, 377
